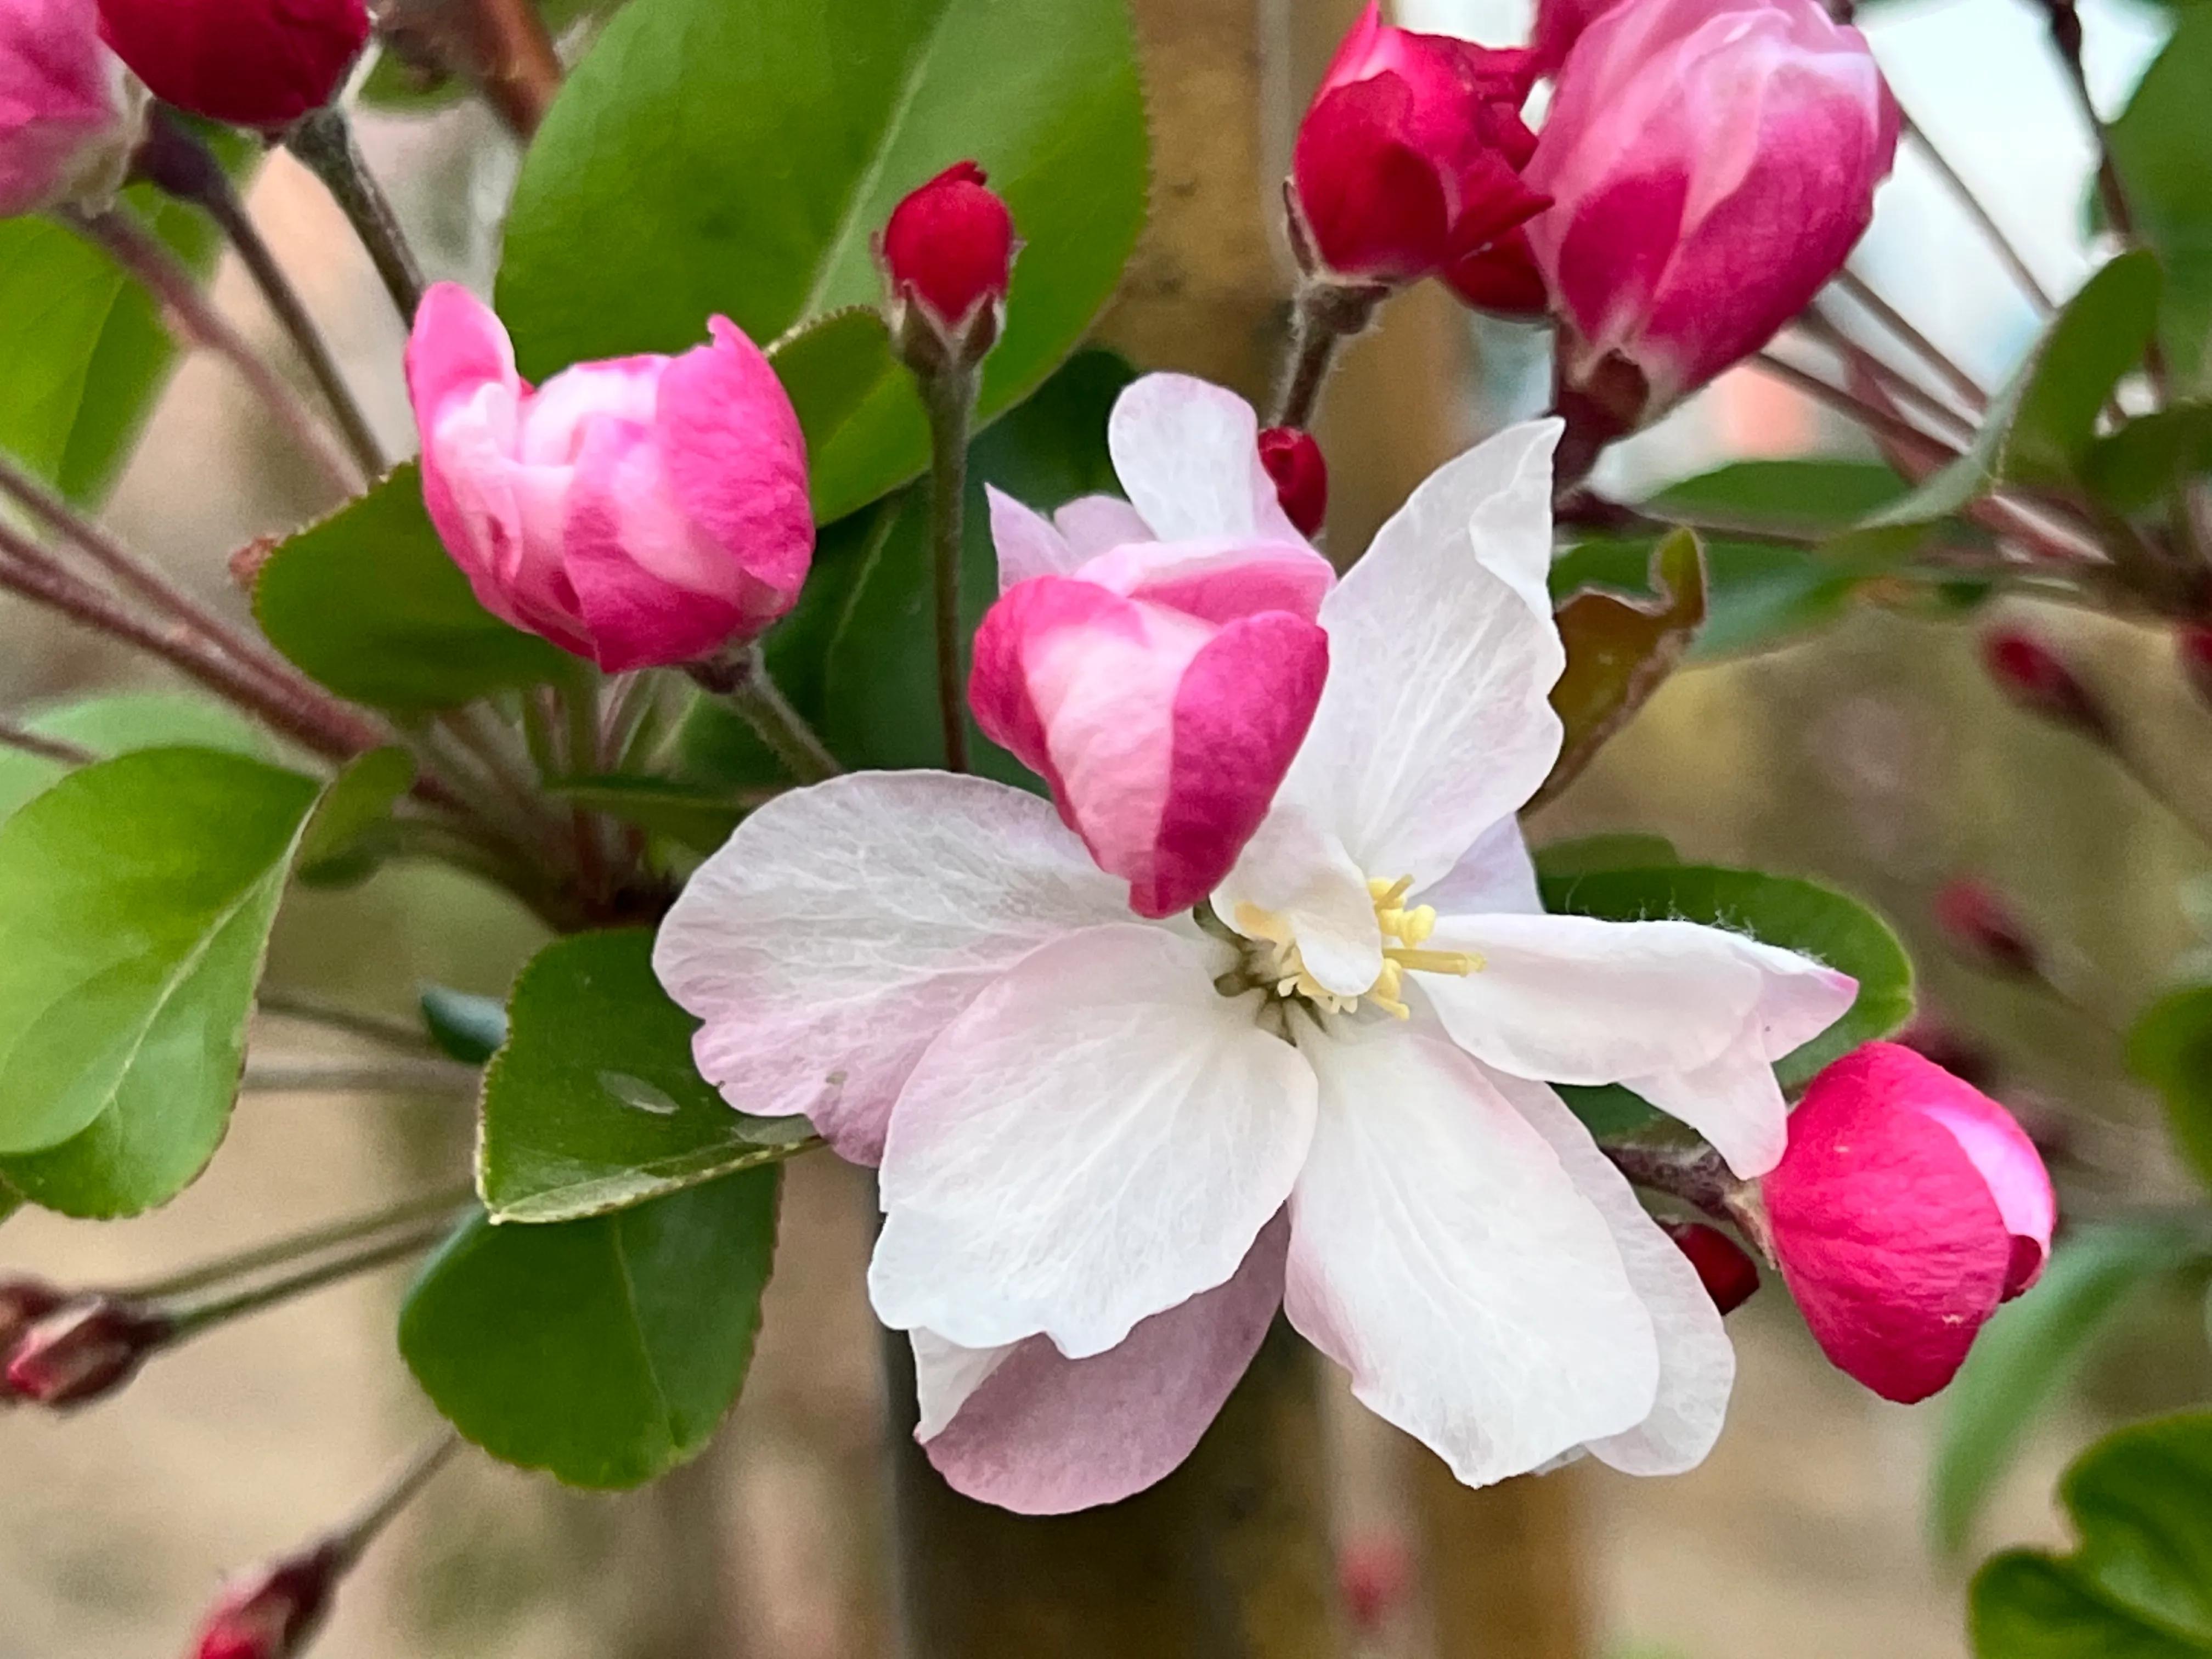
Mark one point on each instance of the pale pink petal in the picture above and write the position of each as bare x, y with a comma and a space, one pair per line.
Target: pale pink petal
1027, 544
1441, 1254
1218, 582
560, 415
1098, 524
1042, 1434
1494, 877
1097, 1139
2017, 1179
1187, 454
845, 926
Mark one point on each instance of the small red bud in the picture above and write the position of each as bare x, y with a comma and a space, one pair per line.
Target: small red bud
260, 63
1295, 462
950, 247
1729, 1275
2036, 678
1373, 1574
2193, 644
23, 1304
84, 1351
1979, 926
274, 1611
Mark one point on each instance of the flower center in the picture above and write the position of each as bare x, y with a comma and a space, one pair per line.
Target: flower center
1277, 961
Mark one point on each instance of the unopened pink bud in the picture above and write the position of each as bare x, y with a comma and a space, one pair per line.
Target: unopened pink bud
1295, 462
1907, 1207
23, 1304
260, 63
70, 115
640, 513
2193, 645
1730, 1276
1502, 279
1409, 160
1980, 927
2030, 672
272, 1612
84, 1351
950, 248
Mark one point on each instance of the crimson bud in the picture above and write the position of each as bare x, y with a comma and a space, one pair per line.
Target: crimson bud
260, 63
1729, 1276
1295, 462
84, 1351
273, 1611
948, 252
2038, 680
1979, 926
1373, 1574
23, 1304
2194, 646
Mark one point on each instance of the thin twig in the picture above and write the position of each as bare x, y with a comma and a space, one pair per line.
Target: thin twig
313, 1241
50, 749
1863, 294
1897, 387
418, 1074
358, 1534
2007, 253
1879, 422
312, 1010
325, 141
191, 1322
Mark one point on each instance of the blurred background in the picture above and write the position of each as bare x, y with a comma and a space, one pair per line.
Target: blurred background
1874, 757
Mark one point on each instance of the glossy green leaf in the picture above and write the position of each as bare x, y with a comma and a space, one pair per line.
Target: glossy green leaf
121, 724
2159, 143
136, 897
1780, 910
594, 1105
369, 603
469, 1028
351, 833
2170, 1048
834, 367
605, 1351
1813, 497
2026, 1355
801, 125
2153, 455
2139, 1582
1587, 854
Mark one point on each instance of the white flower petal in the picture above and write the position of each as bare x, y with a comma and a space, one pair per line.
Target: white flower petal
1297, 874
1696, 1362
843, 927
1028, 544
1099, 523
1495, 877
1438, 720
1187, 454
946, 1375
1443, 1256
1099, 1137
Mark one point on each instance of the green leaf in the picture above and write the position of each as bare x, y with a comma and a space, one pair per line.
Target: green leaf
1815, 497
2026, 1356
1587, 854
2149, 458
1781, 910
801, 125
469, 1028
2170, 1048
136, 897
2039, 430
351, 833
2158, 145
880, 698
834, 367
605, 1351
119, 725
594, 1105
2140, 1580
698, 816
369, 603
1757, 594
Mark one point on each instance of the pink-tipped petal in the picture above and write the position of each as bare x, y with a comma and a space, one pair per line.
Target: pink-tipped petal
457, 344
1028, 544
1217, 581
1097, 524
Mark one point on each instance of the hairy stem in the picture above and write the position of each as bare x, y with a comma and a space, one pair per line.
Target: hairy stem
951, 397
313, 1241
52, 748
1323, 317
205, 1316
742, 676
325, 143
2008, 254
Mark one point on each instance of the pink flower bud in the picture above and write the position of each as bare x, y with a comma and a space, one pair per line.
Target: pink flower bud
1908, 1206
1982, 929
1710, 163
950, 247
274, 1611
1502, 279
23, 1304
260, 63
1409, 159
84, 1351
1729, 1276
1559, 24
69, 115
1295, 462
641, 512
2038, 680
2193, 645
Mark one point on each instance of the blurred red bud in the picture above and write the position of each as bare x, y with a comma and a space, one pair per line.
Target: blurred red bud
2193, 645
23, 1304
84, 1351
1295, 462
1955, 1051
1728, 1273
274, 1611
1373, 1574
1981, 928
2038, 680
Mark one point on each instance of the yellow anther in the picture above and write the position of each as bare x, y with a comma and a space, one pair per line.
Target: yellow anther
1277, 960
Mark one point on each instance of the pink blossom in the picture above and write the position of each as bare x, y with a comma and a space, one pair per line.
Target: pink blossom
640, 511
1160, 686
69, 111
1409, 158
1908, 1207
1710, 163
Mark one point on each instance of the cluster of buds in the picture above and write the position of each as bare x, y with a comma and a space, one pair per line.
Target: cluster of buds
61, 1351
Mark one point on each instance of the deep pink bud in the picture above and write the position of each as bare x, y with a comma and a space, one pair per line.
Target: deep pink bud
1158, 660
84, 1351
1710, 163
260, 63
69, 115
2038, 680
1409, 159
1908, 1206
640, 513
2193, 645
1981, 928
1559, 24
23, 1304
1502, 279
1730, 1277
950, 245
274, 1611
1295, 462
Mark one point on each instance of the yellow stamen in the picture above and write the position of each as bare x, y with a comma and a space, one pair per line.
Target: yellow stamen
1404, 932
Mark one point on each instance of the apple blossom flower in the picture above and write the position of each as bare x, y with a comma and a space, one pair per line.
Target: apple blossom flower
1156, 661
1409, 159
1710, 163
1110, 1146
260, 63
640, 513
70, 114
1908, 1207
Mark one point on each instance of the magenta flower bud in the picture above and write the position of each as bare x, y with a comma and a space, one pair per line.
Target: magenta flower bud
2193, 645
23, 1304
1981, 928
640, 513
1712, 162
260, 63
69, 115
2038, 680
949, 248
84, 1351
1559, 24
1502, 279
1295, 462
274, 1611
1730, 1277
1409, 159
1908, 1206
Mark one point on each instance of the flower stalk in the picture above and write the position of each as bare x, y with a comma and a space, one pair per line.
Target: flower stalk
741, 675
1323, 317
325, 143
52, 748
950, 396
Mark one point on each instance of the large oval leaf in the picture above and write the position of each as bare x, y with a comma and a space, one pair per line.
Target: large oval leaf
603, 1351
737, 156
122, 724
